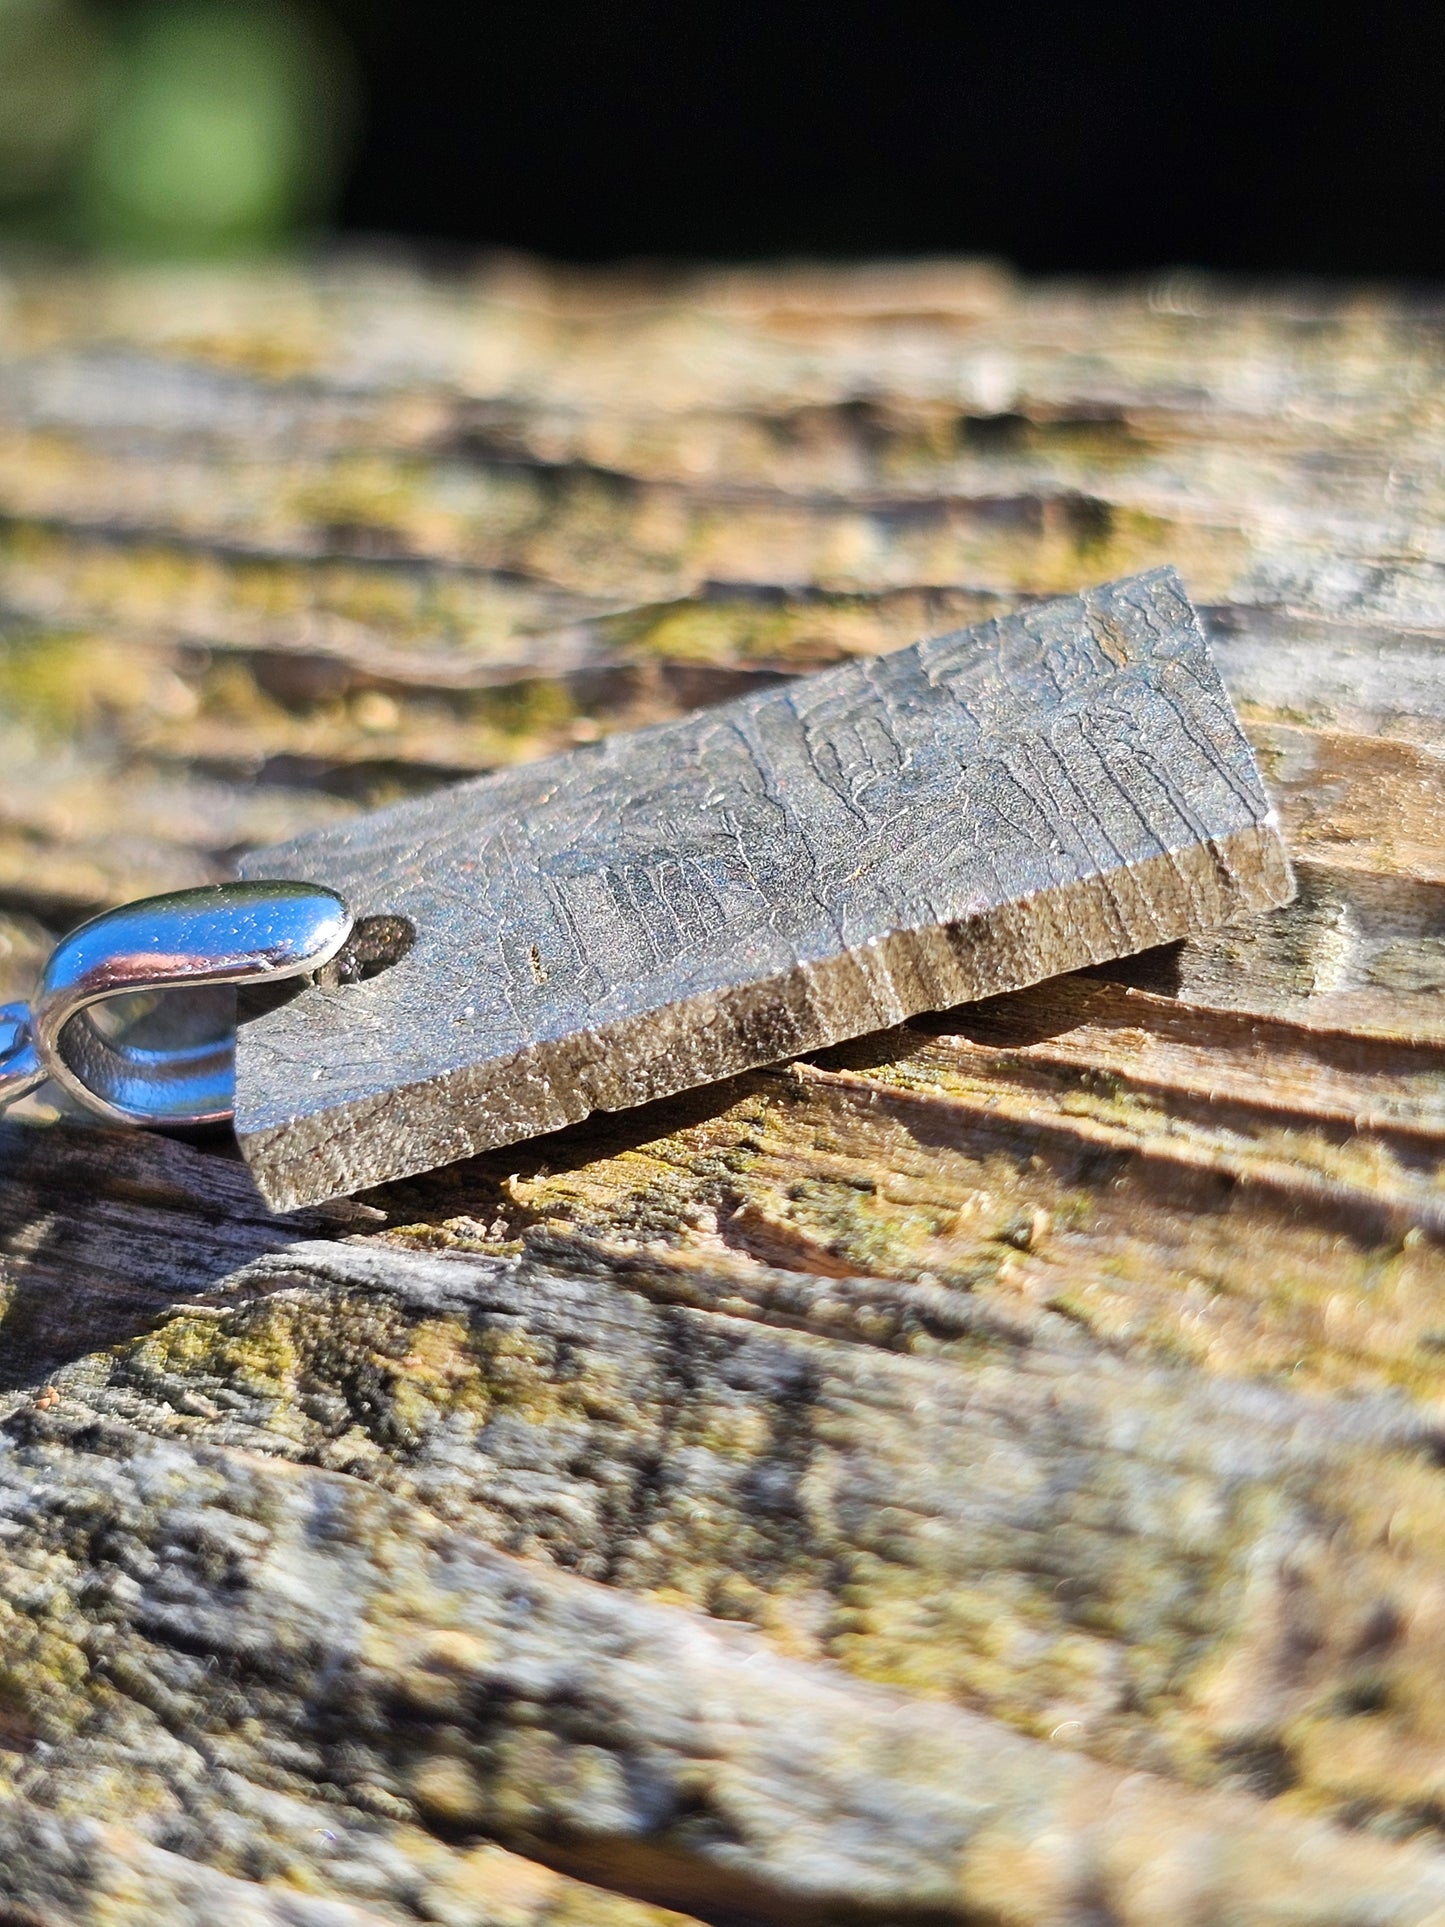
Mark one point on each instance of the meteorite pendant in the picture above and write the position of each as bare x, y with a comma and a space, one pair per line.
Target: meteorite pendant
797, 867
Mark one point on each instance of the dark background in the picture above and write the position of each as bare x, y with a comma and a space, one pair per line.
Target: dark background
1273, 137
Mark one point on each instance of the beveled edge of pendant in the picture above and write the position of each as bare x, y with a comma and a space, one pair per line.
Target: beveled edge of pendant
337, 1150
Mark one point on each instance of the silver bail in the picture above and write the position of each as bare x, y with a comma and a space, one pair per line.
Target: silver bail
135, 1015
20, 1066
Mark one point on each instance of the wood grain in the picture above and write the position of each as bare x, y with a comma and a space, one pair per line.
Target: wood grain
990, 1471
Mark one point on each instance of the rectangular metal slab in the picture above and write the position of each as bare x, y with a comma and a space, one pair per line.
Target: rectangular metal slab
797, 867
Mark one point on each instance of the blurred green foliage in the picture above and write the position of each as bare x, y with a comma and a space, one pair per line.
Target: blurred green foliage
50, 71
180, 128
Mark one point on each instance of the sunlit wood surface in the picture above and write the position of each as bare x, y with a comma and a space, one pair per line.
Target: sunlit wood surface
991, 1473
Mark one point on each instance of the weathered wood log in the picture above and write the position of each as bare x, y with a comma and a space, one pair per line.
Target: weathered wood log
991, 1471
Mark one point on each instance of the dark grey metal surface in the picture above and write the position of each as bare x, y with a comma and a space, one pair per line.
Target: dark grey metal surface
803, 865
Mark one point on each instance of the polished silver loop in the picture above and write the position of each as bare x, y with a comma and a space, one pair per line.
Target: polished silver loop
20, 1066
136, 1011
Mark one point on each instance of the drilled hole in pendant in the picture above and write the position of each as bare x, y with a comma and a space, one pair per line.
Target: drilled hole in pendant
375, 944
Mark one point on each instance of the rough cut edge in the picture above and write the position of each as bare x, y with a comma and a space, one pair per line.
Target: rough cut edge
659, 1053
